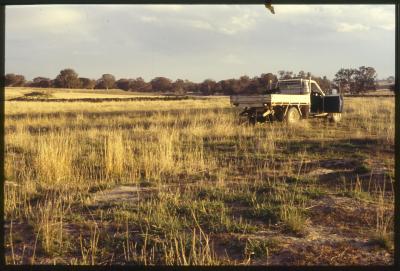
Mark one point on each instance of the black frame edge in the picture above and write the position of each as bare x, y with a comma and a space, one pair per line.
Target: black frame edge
197, 2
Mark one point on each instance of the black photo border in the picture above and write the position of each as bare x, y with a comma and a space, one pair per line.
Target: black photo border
4, 3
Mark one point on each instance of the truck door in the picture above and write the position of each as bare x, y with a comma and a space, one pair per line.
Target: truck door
316, 99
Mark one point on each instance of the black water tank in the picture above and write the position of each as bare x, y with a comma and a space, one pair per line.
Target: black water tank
332, 103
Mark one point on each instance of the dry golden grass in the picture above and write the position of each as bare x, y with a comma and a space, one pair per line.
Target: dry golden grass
205, 183
60, 93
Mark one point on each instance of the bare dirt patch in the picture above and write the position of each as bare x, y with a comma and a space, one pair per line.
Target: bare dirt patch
121, 194
336, 253
342, 213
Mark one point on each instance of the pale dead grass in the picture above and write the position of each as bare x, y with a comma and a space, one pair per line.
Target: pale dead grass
61, 93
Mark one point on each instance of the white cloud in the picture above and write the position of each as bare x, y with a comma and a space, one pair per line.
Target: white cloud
163, 8
231, 59
44, 16
342, 18
232, 22
227, 20
47, 19
201, 24
390, 26
59, 16
292, 9
347, 27
363, 17
243, 21
380, 14
382, 18
148, 19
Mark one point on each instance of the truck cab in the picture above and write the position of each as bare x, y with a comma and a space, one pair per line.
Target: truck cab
299, 86
320, 103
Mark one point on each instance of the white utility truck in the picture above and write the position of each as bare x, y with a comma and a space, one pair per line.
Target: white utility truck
290, 100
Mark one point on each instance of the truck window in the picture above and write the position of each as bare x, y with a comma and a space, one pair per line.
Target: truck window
306, 87
315, 90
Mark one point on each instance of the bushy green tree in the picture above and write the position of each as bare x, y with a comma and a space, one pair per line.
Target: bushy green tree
207, 87
67, 78
87, 83
14, 80
124, 84
161, 84
356, 80
41, 82
139, 84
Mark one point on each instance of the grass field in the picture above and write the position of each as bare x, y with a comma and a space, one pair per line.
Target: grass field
183, 182
32, 93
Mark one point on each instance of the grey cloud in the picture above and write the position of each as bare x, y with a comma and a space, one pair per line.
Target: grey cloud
197, 42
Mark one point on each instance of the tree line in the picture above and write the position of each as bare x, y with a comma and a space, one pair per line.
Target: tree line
346, 80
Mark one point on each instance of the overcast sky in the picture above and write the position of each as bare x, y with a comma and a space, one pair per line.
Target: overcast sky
196, 42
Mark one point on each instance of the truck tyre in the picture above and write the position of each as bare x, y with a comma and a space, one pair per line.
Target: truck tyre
292, 115
334, 117
252, 120
305, 110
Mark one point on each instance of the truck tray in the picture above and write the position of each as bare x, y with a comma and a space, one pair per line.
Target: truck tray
270, 99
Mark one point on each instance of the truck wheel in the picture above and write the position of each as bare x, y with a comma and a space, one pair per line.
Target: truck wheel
335, 117
292, 115
252, 120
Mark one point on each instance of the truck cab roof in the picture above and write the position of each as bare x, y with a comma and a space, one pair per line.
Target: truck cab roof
295, 79
298, 86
